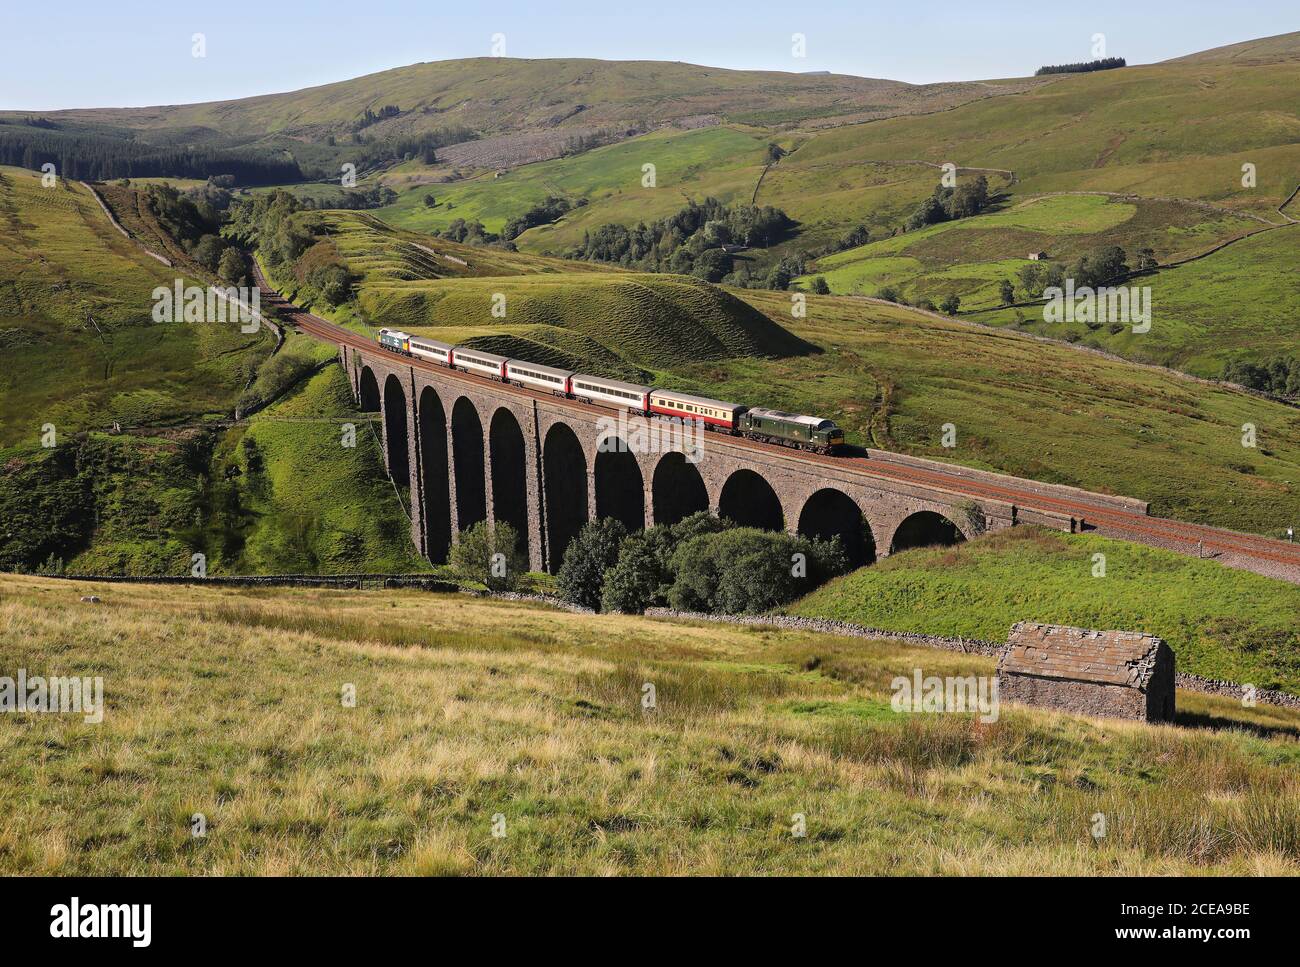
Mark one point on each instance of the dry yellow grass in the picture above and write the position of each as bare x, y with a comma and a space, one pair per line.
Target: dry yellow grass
228, 703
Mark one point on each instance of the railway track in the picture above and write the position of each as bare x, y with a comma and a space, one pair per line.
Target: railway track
1236, 548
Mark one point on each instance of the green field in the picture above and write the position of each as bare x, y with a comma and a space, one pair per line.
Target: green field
717, 161
1220, 623
75, 325
229, 704
971, 256
1242, 301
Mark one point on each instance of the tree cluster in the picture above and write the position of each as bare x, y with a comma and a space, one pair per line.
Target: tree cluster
690, 241
948, 204
1279, 376
86, 156
551, 210
467, 233
1083, 67
702, 563
1101, 267
370, 117
194, 218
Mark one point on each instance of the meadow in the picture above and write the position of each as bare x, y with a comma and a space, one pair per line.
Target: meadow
1220, 623
1239, 302
969, 257
472, 715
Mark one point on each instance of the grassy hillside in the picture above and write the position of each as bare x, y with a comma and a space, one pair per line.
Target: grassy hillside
75, 325
1168, 130
1266, 50
1220, 623
1240, 302
614, 322
970, 256
719, 161
279, 494
286, 496
468, 709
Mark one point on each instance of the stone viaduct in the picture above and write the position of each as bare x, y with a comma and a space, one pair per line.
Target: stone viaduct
476, 451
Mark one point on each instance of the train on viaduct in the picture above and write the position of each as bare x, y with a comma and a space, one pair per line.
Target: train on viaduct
466, 449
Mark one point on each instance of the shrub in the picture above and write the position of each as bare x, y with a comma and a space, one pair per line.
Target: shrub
643, 574
490, 556
638, 579
231, 266
819, 286
745, 570
594, 551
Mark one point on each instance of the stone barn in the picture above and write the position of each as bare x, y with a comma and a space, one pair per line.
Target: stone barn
1122, 674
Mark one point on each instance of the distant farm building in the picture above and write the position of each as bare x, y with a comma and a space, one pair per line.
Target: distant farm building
1037, 256
1121, 674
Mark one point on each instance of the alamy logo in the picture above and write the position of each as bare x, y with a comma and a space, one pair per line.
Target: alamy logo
1131, 304
194, 303
972, 693
133, 921
639, 435
79, 696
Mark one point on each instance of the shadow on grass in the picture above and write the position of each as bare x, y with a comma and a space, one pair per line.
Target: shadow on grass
1199, 720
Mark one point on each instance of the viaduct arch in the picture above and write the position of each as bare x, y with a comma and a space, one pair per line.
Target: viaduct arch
620, 488
677, 489
435, 511
509, 465
564, 479
749, 500
469, 464
396, 439
831, 513
925, 528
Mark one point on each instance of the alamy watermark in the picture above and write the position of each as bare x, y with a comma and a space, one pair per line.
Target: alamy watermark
68, 695
219, 304
1123, 304
970, 693
636, 434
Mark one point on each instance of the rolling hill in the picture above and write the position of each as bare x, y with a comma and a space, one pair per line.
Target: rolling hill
75, 322
494, 95
1265, 50
589, 316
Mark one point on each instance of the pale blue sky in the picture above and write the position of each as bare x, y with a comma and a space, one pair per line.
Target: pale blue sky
93, 54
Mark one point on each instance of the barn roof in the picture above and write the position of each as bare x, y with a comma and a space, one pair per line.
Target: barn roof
1080, 655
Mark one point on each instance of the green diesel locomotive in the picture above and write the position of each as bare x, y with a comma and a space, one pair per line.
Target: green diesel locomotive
791, 429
